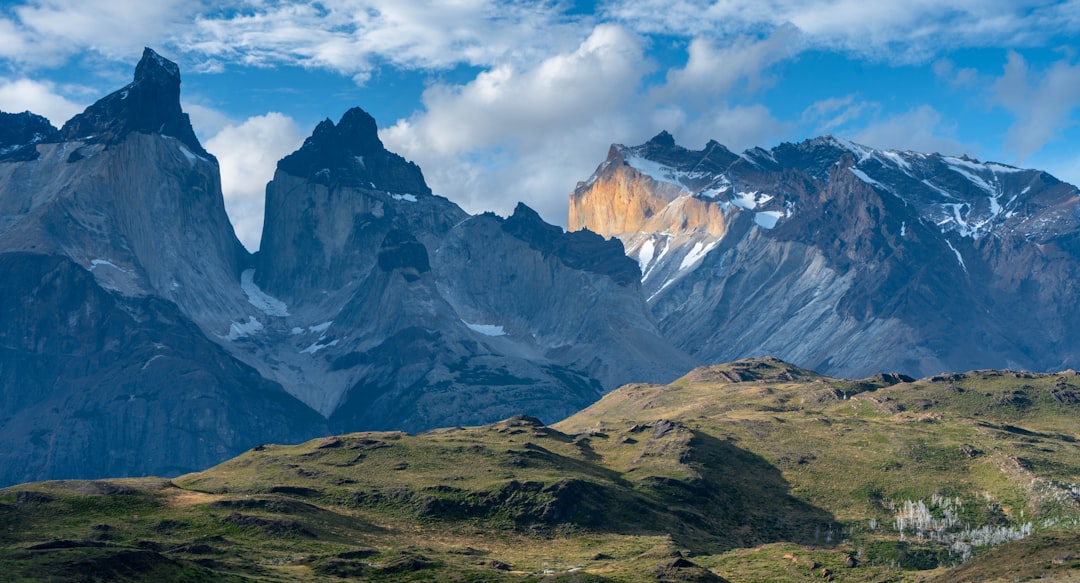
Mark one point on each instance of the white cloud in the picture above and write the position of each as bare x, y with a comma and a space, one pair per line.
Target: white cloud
1041, 101
47, 32
356, 38
836, 113
914, 30
712, 71
206, 121
248, 154
39, 97
526, 135
961, 78
921, 129
531, 133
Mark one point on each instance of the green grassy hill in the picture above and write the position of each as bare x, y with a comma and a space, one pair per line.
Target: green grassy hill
750, 471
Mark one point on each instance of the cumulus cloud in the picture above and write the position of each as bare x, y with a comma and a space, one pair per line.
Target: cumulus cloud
47, 32
515, 134
356, 38
958, 77
737, 127
206, 121
920, 129
1041, 101
41, 98
248, 154
530, 134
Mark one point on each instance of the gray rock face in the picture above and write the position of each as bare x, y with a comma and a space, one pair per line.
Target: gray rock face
120, 265
95, 384
849, 260
405, 312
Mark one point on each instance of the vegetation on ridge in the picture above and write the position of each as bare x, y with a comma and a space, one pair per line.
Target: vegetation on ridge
750, 471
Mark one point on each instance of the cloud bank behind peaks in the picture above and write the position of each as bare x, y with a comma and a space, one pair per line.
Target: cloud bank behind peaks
516, 133
248, 154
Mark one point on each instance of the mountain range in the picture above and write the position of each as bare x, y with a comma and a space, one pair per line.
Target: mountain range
139, 337
846, 259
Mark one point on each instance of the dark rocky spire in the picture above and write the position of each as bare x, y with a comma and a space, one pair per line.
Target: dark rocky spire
150, 104
351, 154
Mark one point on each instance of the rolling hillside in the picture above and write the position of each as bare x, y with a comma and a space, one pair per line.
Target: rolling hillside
750, 471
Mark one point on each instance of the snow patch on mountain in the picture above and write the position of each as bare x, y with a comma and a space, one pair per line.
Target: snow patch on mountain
767, 219
266, 303
238, 330
317, 346
959, 258
862, 176
660, 172
486, 329
645, 255
95, 263
750, 200
963, 168
696, 254
190, 156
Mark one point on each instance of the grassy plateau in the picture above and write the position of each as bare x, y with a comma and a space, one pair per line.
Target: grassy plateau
750, 471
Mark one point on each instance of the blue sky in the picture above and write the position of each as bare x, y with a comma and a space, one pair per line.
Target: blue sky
506, 101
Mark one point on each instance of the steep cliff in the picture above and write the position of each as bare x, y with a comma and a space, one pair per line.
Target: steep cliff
120, 267
140, 208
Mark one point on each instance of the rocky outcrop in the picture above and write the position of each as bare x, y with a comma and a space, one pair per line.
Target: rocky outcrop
661, 201
351, 154
846, 259
373, 302
634, 192
20, 132
150, 105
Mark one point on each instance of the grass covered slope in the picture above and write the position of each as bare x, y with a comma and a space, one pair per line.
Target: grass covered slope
751, 471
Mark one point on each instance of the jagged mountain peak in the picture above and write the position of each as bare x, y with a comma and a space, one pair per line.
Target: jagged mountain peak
351, 154
902, 240
356, 133
150, 104
153, 68
663, 139
20, 132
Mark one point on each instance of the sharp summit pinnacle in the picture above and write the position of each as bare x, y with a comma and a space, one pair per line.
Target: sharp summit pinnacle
150, 104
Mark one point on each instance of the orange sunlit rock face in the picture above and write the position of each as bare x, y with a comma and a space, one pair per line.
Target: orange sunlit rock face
623, 200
